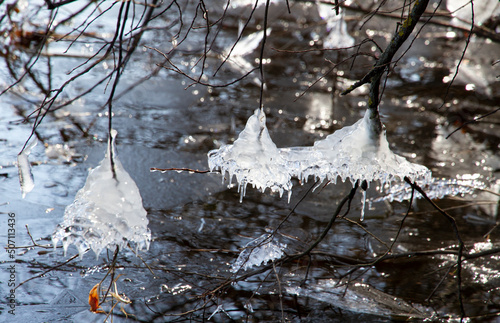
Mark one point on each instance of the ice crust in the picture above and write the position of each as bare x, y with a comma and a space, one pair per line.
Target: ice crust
257, 252
26, 179
352, 153
107, 212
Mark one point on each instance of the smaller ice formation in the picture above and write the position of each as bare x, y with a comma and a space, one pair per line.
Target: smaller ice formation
236, 56
257, 252
337, 35
352, 153
358, 298
462, 11
107, 212
25, 175
436, 188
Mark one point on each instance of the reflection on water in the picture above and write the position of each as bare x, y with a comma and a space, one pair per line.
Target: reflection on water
197, 225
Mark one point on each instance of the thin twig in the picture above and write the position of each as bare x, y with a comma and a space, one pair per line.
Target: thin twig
45, 272
457, 234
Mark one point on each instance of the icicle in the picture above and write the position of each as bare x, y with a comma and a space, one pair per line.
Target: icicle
363, 204
26, 179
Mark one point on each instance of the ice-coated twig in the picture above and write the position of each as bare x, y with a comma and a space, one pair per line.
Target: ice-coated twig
436, 188
259, 251
26, 179
220, 308
107, 211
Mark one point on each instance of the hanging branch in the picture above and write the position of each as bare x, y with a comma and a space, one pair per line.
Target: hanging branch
261, 56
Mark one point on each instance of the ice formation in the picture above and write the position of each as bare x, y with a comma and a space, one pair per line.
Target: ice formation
253, 159
436, 188
352, 152
357, 297
337, 36
245, 46
462, 11
107, 212
257, 252
23, 165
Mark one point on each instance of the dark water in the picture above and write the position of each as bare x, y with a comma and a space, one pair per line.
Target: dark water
198, 225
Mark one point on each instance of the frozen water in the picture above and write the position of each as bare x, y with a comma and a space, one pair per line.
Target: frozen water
257, 252
107, 211
363, 205
24, 167
252, 3
461, 10
253, 159
357, 297
337, 35
352, 153
436, 188
245, 46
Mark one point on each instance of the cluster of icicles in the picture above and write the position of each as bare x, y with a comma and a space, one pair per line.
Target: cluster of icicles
352, 153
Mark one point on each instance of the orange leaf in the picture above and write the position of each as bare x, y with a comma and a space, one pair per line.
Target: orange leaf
94, 299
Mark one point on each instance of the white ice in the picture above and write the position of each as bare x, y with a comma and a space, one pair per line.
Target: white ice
107, 212
350, 153
253, 159
356, 297
337, 35
26, 179
259, 251
461, 11
245, 46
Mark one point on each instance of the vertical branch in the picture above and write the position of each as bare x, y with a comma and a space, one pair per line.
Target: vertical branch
373, 102
120, 27
261, 57
384, 62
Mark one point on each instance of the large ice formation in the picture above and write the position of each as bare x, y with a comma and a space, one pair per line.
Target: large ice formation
107, 211
259, 251
352, 152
